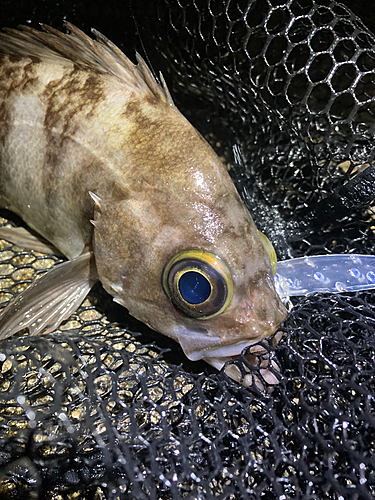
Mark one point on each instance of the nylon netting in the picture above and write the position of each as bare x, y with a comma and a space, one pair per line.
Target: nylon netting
104, 408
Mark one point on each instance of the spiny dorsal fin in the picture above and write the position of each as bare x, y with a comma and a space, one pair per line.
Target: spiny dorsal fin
100, 55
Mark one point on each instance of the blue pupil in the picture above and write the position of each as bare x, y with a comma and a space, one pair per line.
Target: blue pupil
194, 287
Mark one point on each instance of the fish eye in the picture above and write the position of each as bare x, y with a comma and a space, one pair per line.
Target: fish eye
198, 283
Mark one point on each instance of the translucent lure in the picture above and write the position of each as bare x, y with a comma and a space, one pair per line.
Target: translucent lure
326, 274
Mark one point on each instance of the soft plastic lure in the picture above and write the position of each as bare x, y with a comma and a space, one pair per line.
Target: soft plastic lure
326, 274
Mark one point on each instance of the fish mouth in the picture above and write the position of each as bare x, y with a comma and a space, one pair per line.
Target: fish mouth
228, 351
197, 344
260, 360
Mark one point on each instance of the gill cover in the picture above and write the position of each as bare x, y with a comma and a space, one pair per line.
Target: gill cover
198, 283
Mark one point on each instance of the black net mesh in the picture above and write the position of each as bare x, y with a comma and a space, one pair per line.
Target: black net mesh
106, 409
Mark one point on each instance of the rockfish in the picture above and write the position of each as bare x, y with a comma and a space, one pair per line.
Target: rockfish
96, 158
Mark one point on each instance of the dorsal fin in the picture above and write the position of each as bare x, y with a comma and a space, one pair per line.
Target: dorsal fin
100, 55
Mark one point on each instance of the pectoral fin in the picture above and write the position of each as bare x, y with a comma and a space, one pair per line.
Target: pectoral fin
23, 238
51, 299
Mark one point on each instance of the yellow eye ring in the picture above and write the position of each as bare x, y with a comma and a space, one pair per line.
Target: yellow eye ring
198, 283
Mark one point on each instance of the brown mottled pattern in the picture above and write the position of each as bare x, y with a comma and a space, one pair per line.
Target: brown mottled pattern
16, 74
69, 101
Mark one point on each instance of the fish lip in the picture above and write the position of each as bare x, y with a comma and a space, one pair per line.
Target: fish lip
228, 351
201, 345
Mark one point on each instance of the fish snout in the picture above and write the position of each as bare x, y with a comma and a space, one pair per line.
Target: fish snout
255, 317
262, 311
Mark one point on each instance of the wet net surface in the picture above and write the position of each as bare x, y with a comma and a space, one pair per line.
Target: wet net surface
106, 409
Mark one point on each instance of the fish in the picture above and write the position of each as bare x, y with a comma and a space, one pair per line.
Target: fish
98, 161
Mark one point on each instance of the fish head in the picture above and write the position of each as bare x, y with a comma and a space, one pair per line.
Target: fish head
190, 264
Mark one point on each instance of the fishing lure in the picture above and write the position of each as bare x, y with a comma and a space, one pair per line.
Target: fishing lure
331, 273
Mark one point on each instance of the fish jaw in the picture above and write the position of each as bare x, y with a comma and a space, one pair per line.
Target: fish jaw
205, 343
261, 369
